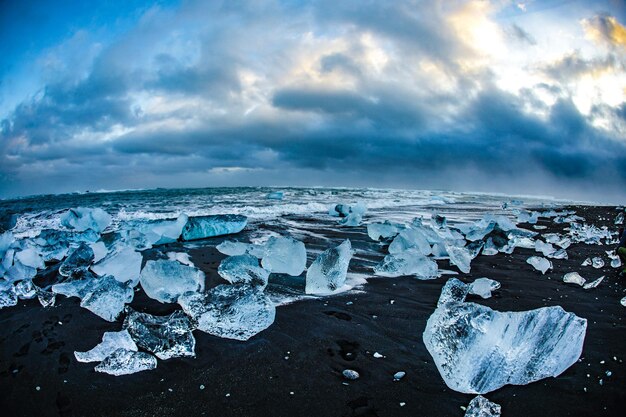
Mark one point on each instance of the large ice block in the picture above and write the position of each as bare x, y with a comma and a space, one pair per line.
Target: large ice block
478, 350
30, 257
243, 269
410, 238
328, 272
83, 218
230, 311
79, 259
284, 255
125, 362
123, 263
165, 280
409, 262
111, 341
165, 336
106, 297
160, 232
201, 227
459, 256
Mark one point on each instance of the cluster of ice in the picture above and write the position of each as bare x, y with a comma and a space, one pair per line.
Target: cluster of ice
165, 280
550, 251
202, 227
328, 272
589, 234
164, 336
284, 255
482, 407
82, 218
478, 350
160, 232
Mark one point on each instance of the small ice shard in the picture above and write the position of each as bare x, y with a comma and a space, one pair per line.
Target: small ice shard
574, 278
615, 261
460, 257
165, 281
125, 362
8, 296
276, 195
164, 336
284, 255
106, 297
478, 350
328, 272
410, 238
243, 269
619, 219
350, 374
123, 263
111, 341
82, 218
539, 263
490, 248
232, 248
30, 257
79, 259
586, 262
593, 284
399, 375
354, 216
453, 291
623, 301
483, 287
409, 262
597, 262
25, 289
201, 227
482, 407
230, 311
99, 250
382, 231
181, 257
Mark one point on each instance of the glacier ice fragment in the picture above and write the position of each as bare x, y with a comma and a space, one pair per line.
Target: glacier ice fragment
284, 255
276, 195
201, 227
165, 280
232, 248
454, 290
125, 362
539, 263
164, 336
123, 263
460, 257
82, 218
25, 289
78, 260
350, 374
574, 278
410, 238
409, 262
482, 407
106, 297
328, 272
30, 257
597, 262
111, 341
594, 283
619, 219
243, 269
382, 231
483, 287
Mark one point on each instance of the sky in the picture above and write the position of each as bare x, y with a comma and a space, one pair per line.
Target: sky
516, 97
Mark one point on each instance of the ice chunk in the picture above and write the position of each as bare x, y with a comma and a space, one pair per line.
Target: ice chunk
276, 195
382, 231
125, 362
619, 219
30, 257
160, 232
46, 298
80, 259
597, 262
623, 301
483, 287
593, 284
586, 262
25, 289
99, 250
410, 238
615, 261
399, 375
339, 210
284, 255
545, 248
409, 262
82, 218
181, 257
478, 350
328, 272
232, 248
482, 407
490, 248
230, 311
106, 297
354, 216
8, 296
165, 280
454, 291
123, 263
350, 374
460, 257
438, 221
111, 341
77, 287
165, 336
539, 263
201, 227
574, 278
6, 240
19, 272
243, 269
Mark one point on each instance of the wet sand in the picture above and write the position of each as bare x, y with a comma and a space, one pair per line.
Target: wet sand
294, 367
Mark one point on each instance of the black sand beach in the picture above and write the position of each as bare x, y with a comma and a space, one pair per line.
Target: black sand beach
294, 367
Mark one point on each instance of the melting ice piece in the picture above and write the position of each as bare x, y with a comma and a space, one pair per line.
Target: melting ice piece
6, 240
328, 272
593, 284
615, 261
165, 280
25, 289
339, 210
483, 287
276, 195
354, 216
545, 248
125, 362
350, 374
165, 336
8, 296
30, 257
478, 350
586, 262
574, 278
623, 301
539, 263
439, 221
409, 262
106, 297
111, 341
77, 287
619, 219
284, 255
482, 407
160, 232
232, 248
230, 311
454, 290
243, 269
201, 227
410, 238
79, 259
597, 262
99, 250
123, 263
19, 272
460, 257
82, 218
382, 231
